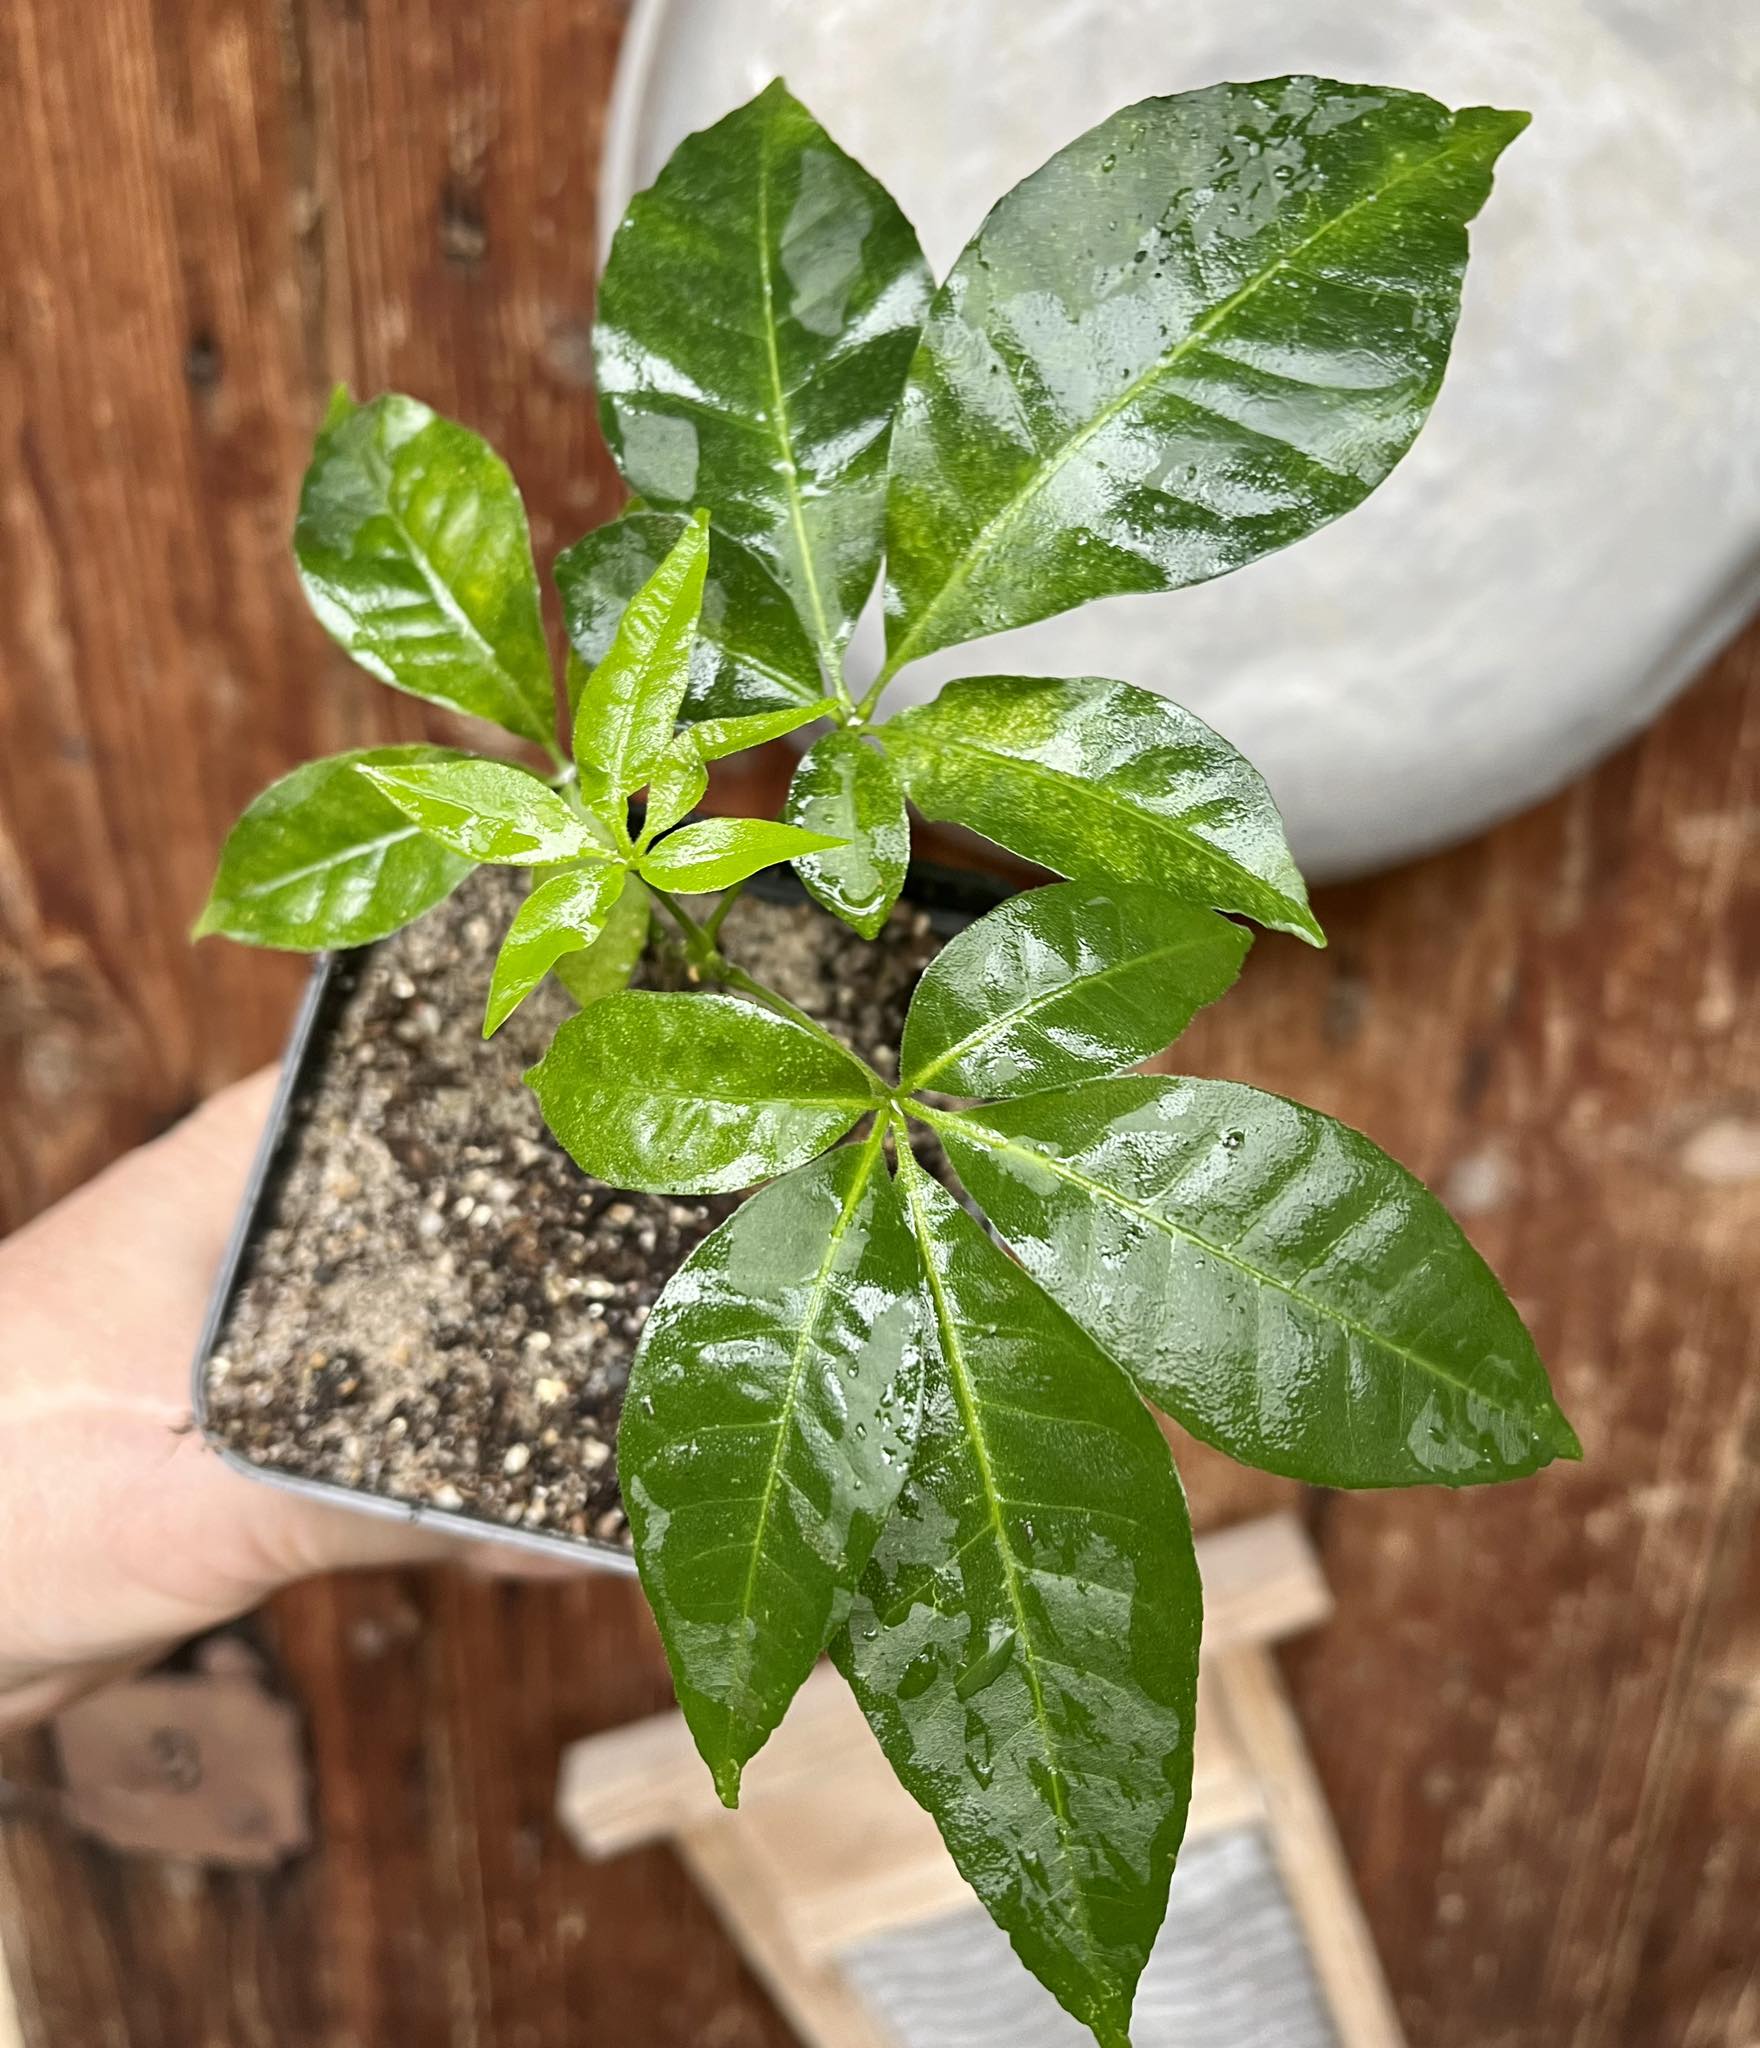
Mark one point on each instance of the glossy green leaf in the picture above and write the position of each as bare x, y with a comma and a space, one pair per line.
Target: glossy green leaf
846, 788
563, 914
716, 738
681, 775
714, 853
1025, 1640
1104, 782
488, 810
694, 1094
1207, 327
412, 546
1270, 1278
323, 859
755, 321
1064, 984
771, 1414
751, 652
625, 712
605, 967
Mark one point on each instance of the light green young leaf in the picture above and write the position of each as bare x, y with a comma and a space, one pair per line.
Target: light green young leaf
412, 546
751, 652
716, 738
563, 914
714, 853
1025, 1641
626, 710
1105, 783
694, 1094
755, 322
1064, 984
771, 1414
607, 964
1207, 327
848, 789
489, 811
680, 777
1269, 1278
324, 859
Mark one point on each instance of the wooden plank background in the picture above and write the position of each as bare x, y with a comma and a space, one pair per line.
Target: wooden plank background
1537, 1712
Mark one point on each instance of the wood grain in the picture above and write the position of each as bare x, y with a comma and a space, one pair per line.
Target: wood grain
1536, 1712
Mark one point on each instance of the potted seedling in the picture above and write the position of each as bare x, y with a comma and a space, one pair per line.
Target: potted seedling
859, 1420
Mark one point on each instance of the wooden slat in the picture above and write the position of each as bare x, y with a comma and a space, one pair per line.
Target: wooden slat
1252, 1700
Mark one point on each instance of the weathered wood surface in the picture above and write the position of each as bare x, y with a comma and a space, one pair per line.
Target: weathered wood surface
1537, 1713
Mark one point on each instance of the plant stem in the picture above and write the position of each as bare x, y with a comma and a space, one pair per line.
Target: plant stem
713, 922
876, 690
699, 947
702, 953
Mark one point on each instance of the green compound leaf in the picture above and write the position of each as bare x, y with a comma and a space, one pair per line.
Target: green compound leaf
564, 914
1268, 1277
714, 853
848, 789
607, 964
626, 710
771, 1414
1207, 327
489, 811
1105, 783
694, 1094
755, 321
413, 549
751, 654
323, 859
1064, 984
1025, 1641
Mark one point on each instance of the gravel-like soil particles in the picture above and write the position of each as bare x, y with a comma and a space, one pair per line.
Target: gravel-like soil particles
439, 1307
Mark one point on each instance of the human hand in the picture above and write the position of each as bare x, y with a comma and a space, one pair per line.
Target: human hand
121, 1532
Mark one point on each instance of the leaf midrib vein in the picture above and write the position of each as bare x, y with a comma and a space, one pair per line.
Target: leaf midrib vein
965, 1395
1098, 1190
985, 541
821, 1291
443, 597
1102, 798
998, 1026
784, 432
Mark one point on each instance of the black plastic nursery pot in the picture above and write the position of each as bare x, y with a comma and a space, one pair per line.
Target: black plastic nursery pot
426, 1310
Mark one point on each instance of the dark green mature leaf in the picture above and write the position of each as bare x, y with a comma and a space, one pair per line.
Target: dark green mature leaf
771, 1413
1064, 984
412, 545
1207, 327
714, 853
751, 653
848, 789
1105, 783
323, 859
1268, 1277
755, 322
1025, 1641
694, 1094
625, 712
607, 964
488, 810
563, 914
